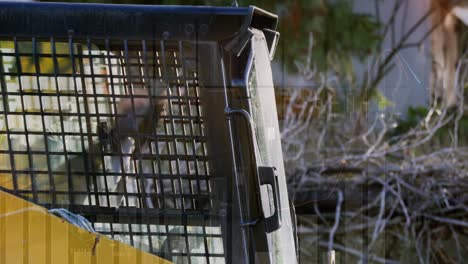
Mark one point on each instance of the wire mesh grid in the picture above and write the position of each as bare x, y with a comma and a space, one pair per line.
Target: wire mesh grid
113, 130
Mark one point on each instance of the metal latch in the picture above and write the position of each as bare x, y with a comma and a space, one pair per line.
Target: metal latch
269, 176
271, 38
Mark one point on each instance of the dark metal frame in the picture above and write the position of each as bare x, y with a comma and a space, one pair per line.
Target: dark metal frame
203, 57
131, 21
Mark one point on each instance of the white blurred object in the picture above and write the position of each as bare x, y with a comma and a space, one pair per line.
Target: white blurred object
121, 165
461, 12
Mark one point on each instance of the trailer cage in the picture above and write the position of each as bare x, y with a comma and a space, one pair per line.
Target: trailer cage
156, 123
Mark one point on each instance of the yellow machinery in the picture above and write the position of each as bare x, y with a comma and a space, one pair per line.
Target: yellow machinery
30, 234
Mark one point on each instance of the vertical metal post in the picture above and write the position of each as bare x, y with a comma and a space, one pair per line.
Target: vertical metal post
269, 227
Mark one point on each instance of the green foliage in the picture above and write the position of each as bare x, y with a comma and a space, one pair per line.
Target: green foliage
339, 34
444, 135
382, 101
347, 33
413, 118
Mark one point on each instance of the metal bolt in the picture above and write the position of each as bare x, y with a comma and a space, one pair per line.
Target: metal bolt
203, 29
189, 28
222, 212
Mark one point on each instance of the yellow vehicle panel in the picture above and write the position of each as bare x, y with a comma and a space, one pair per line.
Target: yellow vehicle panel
30, 234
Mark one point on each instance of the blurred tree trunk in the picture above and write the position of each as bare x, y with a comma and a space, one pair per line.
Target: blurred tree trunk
444, 50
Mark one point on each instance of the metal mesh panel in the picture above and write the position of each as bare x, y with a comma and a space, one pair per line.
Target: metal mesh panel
113, 130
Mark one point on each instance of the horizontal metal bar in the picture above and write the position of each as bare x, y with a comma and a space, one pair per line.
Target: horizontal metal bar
191, 177
121, 21
146, 216
160, 137
150, 233
143, 156
130, 195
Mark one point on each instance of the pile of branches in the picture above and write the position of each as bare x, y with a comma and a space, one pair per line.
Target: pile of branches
371, 194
